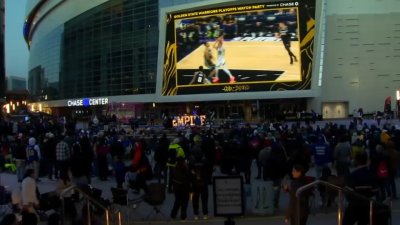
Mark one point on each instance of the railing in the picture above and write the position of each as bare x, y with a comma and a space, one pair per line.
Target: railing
89, 202
340, 201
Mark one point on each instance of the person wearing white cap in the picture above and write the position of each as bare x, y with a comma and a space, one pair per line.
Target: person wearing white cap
33, 156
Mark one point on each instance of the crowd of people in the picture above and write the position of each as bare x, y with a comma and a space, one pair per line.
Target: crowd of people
362, 157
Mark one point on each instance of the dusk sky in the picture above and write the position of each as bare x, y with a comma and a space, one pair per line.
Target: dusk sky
16, 49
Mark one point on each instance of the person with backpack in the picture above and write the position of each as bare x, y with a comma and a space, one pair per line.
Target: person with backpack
33, 157
175, 151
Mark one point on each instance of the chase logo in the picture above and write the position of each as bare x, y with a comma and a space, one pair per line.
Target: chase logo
86, 102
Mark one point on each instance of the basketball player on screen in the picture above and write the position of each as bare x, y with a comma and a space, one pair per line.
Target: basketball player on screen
285, 37
218, 45
199, 77
209, 59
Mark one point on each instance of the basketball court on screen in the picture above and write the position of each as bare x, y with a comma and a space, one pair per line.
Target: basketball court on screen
239, 55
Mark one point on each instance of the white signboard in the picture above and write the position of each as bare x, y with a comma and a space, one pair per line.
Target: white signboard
228, 196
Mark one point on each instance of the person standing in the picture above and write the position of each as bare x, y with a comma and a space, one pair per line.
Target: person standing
295, 211
322, 155
19, 154
102, 150
140, 165
182, 186
199, 178
117, 151
160, 156
63, 155
33, 157
175, 151
78, 165
88, 156
274, 169
362, 181
49, 154
342, 156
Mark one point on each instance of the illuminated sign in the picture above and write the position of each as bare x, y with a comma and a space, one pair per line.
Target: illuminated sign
87, 102
183, 120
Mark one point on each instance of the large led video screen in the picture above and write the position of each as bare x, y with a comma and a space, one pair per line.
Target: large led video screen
257, 47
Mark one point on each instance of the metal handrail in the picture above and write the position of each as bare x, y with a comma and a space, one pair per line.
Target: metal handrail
89, 199
340, 190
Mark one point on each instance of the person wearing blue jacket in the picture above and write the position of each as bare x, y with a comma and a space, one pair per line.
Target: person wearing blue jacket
321, 154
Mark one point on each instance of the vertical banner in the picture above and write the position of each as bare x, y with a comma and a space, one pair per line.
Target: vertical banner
228, 196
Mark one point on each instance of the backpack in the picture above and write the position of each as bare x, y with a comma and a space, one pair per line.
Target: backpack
382, 170
31, 154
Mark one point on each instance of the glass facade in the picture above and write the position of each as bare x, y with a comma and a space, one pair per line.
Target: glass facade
106, 51
18, 85
44, 74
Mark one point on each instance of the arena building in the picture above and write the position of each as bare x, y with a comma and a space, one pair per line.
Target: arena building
141, 58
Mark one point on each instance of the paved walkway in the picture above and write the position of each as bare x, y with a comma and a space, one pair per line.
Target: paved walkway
138, 214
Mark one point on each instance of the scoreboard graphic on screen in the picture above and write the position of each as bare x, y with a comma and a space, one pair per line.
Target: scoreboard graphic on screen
239, 48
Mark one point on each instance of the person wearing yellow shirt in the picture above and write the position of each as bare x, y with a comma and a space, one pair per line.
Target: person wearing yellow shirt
175, 151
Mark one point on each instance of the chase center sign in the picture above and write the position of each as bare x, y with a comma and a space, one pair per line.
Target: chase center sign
87, 102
